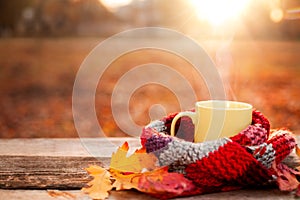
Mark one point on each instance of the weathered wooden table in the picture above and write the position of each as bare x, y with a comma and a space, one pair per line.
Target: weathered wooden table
34, 168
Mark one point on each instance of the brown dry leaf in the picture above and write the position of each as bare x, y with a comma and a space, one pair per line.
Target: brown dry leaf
57, 193
100, 185
125, 181
138, 161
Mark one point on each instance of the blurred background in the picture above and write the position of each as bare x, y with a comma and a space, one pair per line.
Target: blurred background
52, 18
255, 45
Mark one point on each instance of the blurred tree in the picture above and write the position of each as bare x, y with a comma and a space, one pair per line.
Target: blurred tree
90, 17
176, 13
291, 27
54, 17
69, 17
10, 13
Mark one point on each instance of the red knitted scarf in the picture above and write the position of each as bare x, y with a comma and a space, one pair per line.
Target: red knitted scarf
249, 158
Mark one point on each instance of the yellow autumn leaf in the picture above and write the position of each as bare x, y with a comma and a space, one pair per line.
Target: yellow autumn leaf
100, 185
138, 161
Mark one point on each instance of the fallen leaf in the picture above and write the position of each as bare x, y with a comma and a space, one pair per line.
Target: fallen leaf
98, 187
297, 194
136, 163
125, 181
57, 193
158, 183
163, 184
286, 179
297, 151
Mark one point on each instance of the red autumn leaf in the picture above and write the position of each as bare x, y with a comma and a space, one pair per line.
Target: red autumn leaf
163, 184
286, 178
297, 194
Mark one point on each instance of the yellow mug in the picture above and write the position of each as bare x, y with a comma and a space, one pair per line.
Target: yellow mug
214, 119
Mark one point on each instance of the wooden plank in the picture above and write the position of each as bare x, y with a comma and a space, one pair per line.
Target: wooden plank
69, 194
247, 194
103, 147
45, 171
53, 163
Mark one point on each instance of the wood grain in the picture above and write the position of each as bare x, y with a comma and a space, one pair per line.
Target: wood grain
247, 194
45, 171
53, 163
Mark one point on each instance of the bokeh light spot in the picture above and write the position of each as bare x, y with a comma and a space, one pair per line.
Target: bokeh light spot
276, 15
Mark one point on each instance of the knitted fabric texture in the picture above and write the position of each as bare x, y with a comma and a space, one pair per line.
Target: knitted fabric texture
244, 160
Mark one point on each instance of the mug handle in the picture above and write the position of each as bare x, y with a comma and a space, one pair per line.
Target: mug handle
189, 114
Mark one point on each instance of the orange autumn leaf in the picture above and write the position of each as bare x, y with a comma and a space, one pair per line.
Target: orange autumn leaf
297, 151
125, 181
100, 185
138, 161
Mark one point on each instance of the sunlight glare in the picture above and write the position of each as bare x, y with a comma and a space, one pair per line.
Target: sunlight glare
217, 12
113, 4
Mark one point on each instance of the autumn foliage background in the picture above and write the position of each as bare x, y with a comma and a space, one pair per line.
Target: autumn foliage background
39, 60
